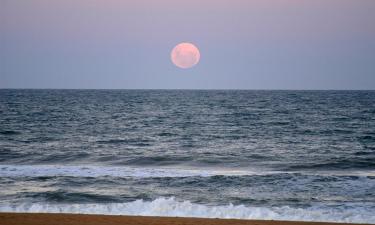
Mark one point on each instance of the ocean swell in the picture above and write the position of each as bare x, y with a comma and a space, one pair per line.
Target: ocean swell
143, 172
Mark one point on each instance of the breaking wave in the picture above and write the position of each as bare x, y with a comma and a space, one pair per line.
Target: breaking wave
173, 208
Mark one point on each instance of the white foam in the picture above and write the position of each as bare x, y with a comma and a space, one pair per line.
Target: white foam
171, 207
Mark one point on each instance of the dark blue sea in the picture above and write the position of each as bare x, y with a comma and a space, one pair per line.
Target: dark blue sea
282, 155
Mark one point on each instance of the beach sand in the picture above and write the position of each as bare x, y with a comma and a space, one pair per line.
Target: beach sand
78, 219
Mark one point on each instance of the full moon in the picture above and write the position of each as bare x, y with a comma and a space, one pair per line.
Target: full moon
185, 55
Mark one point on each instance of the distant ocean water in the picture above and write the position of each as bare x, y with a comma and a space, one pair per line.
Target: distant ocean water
289, 155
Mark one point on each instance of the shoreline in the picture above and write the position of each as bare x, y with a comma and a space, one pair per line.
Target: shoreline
90, 219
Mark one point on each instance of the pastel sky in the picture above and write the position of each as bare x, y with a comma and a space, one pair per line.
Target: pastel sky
244, 44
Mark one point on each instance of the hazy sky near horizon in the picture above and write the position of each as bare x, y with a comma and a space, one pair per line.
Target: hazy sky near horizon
244, 44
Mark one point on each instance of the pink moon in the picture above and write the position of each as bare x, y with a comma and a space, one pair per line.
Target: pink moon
185, 55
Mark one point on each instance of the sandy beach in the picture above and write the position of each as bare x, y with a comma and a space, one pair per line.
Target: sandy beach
79, 219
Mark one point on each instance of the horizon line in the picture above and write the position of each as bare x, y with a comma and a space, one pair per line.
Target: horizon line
190, 89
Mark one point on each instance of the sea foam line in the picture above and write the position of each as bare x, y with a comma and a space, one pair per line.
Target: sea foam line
172, 208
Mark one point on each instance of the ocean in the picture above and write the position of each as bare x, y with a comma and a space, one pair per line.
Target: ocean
281, 155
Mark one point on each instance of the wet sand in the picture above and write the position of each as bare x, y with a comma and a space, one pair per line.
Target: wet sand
78, 219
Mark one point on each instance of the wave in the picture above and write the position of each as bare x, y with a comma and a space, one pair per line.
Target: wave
9, 132
98, 171
145, 172
136, 142
357, 163
173, 208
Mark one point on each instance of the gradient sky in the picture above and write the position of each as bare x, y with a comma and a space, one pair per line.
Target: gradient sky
244, 44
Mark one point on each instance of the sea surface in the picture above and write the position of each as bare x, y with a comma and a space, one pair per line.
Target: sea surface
282, 155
